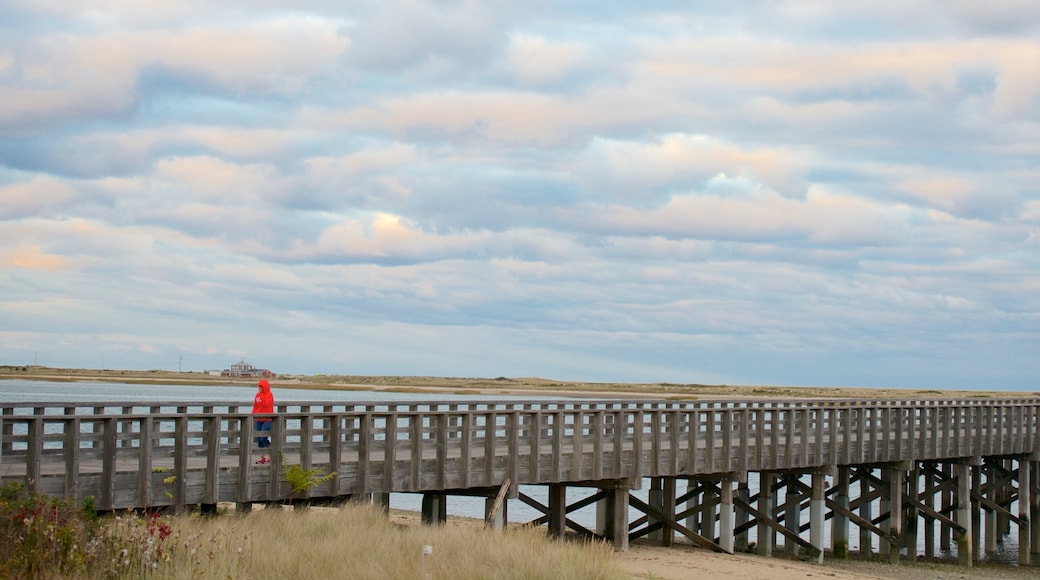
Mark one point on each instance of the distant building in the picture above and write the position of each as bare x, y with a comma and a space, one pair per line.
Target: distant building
244, 369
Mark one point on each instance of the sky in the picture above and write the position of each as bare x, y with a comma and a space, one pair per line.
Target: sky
799, 192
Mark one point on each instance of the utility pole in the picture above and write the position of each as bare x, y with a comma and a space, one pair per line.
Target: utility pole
180, 360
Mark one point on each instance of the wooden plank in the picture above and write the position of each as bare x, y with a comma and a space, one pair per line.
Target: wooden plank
503, 490
441, 447
513, 435
490, 421
214, 433
336, 457
577, 444
70, 449
416, 435
34, 452
559, 430
533, 451
245, 459
466, 439
108, 464
693, 437
363, 482
180, 460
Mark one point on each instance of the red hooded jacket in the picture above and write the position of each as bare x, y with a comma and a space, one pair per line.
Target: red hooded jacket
263, 402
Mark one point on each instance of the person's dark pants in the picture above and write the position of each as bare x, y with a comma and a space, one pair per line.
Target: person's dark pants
264, 441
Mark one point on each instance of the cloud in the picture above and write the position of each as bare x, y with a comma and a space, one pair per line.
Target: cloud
802, 192
41, 195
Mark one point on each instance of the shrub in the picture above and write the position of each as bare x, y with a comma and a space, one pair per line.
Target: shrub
41, 536
45, 537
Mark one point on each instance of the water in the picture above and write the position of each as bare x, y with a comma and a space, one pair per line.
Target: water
18, 390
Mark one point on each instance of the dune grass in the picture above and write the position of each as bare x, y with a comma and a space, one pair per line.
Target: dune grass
360, 542
42, 537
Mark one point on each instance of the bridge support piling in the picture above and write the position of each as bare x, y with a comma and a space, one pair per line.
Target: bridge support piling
382, 501
604, 517
557, 510
817, 509
992, 493
866, 538
962, 471
668, 507
895, 512
766, 508
976, 509
694, 501
1025, 500
726, 515
656, 500
912, 487
1034, 509
884, 542
840, 521
740, 542
792, 511
619, 523
946, 501
929, 481
434, 508
709, 511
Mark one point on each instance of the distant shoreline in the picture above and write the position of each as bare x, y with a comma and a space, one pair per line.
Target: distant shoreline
524, 386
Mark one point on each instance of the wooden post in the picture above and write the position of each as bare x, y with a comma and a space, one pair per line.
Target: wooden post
655, 498
793, 512
817, 512
1025, 501
962, 471
976, 511
895, 517
840, 522
434, 508
694, 499
740, 543
766, 537
929, 502
213, 434
619, 531
495, 508
993, 481
1034, 507
557, 510
70, 447
866, 538
668, 507
948, 506
180, 463
885, 544
726, 514
910, 523
710, 505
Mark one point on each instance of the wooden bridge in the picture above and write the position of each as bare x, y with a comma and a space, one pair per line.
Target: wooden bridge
909, 476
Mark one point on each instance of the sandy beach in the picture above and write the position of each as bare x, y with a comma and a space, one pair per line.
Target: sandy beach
682, 562
643, 560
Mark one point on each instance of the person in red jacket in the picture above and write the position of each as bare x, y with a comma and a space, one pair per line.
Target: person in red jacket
263, 403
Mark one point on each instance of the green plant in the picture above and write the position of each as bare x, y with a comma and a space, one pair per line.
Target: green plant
302, 480
42, 536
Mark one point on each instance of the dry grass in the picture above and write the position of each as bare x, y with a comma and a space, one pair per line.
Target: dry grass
360, 542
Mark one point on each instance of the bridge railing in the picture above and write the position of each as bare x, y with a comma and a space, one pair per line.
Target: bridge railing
139, 458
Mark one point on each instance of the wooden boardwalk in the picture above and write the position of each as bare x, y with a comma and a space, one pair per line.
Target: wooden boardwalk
949, 468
